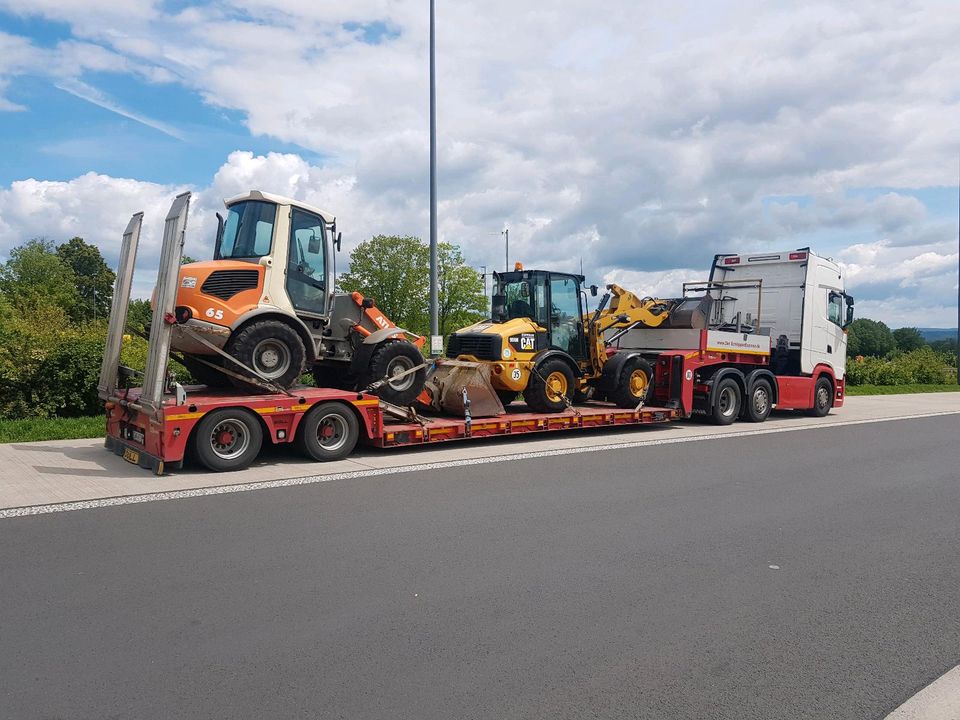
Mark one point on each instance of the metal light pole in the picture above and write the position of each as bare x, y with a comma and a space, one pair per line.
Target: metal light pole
958, 277
506, 248
436, 341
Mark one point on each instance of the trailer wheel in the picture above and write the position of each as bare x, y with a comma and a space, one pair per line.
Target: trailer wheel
822, 397
549, 385
393, 358
633, 385
758, 405
726, 402
227, 439
328, 432
272, 348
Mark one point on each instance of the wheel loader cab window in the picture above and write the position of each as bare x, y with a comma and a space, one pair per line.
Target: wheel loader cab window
565, 315
306, 265
248, 231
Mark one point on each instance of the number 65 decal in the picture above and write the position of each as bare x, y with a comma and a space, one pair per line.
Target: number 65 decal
215, 314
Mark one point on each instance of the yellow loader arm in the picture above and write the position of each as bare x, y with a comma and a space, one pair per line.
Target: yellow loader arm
651, 312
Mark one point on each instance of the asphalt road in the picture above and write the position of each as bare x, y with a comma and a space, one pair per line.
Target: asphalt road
810, 574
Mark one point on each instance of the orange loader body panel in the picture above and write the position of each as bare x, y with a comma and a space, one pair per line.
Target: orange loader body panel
210, 308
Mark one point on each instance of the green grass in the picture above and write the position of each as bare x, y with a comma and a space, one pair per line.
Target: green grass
899, 389
52, 429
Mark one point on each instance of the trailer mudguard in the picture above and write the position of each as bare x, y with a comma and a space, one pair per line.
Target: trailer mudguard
378, 336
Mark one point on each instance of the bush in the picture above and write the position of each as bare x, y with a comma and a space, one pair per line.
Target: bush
923, 366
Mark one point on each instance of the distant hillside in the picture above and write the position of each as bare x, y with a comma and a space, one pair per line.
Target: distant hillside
933, 334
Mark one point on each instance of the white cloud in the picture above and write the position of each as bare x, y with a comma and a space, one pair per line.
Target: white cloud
644, 138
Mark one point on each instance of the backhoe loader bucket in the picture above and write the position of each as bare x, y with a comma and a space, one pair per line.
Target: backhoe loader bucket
450, 378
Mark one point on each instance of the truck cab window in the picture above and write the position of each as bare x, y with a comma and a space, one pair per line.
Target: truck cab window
835, 308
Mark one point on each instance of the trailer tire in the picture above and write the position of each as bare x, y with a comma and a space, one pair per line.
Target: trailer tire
549, 384
758, 405
393, 357
633, 385
329, 431
726, 402
272, 348
822, 397
227, 439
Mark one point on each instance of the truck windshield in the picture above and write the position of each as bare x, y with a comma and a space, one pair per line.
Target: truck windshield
247, 231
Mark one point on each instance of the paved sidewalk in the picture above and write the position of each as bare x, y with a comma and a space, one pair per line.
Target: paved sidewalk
61, 471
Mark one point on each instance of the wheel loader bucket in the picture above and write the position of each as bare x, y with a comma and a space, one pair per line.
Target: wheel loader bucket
449, 380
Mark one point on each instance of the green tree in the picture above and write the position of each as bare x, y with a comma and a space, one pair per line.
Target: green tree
186, 260
394, 272
139, 314
35, 276
870, 337
93, 278
908, 338
460, 297
947, 348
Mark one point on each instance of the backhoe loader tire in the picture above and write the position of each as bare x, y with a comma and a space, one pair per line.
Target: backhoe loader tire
328, 432
633, 385
393, 357
272, 348
204, 374
548, 385
506, 396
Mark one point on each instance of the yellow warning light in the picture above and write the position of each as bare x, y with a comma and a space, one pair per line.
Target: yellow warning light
518, 266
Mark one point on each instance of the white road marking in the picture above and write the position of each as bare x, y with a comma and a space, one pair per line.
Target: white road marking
940, 700
374, 472
773, 567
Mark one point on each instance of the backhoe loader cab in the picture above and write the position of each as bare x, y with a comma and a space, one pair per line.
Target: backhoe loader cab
265, 307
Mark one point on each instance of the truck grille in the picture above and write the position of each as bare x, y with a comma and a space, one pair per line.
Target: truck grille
480, 345
224, 284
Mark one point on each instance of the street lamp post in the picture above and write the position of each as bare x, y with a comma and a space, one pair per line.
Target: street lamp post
436, 342
506, 248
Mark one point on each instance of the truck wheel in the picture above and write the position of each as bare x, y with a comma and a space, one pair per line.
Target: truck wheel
633, 385
760, 403
822, 398
552, 381
328, 432
726, 402
392, 358
506, 396
272, 348
227, 439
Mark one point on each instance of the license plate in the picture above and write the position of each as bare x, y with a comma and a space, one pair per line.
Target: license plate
132, 432
131, 456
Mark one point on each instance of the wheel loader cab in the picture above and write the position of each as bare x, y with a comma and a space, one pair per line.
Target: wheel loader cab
551, 300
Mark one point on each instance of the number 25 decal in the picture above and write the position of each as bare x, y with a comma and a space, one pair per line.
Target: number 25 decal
215, 314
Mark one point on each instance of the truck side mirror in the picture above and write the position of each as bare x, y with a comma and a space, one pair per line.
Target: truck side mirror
216, 244
593, 290
849, 319
337, 242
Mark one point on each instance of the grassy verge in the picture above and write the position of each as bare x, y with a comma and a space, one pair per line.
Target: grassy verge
899, 389
51, 429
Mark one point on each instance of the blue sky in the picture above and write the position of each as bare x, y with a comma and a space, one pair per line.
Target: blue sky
643, 140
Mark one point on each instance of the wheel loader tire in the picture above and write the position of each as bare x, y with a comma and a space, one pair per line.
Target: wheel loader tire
552, 381
633, 385
822, 398
204, 374
272, 348
328, 432
506, 396
392, 358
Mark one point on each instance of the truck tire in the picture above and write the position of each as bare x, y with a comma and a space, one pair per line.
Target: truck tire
552, 381
227, 439
759, 403
272, 348
391, 358
822, 397
329, 431
633, 385
726, 402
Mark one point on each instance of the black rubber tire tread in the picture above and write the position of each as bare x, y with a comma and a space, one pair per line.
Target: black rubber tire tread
242, 343
621, 395
201, 433
748, 411
506, 396
380, 362
306, 438
333, 375
817, 410
536, 393
204, 374
716, 415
